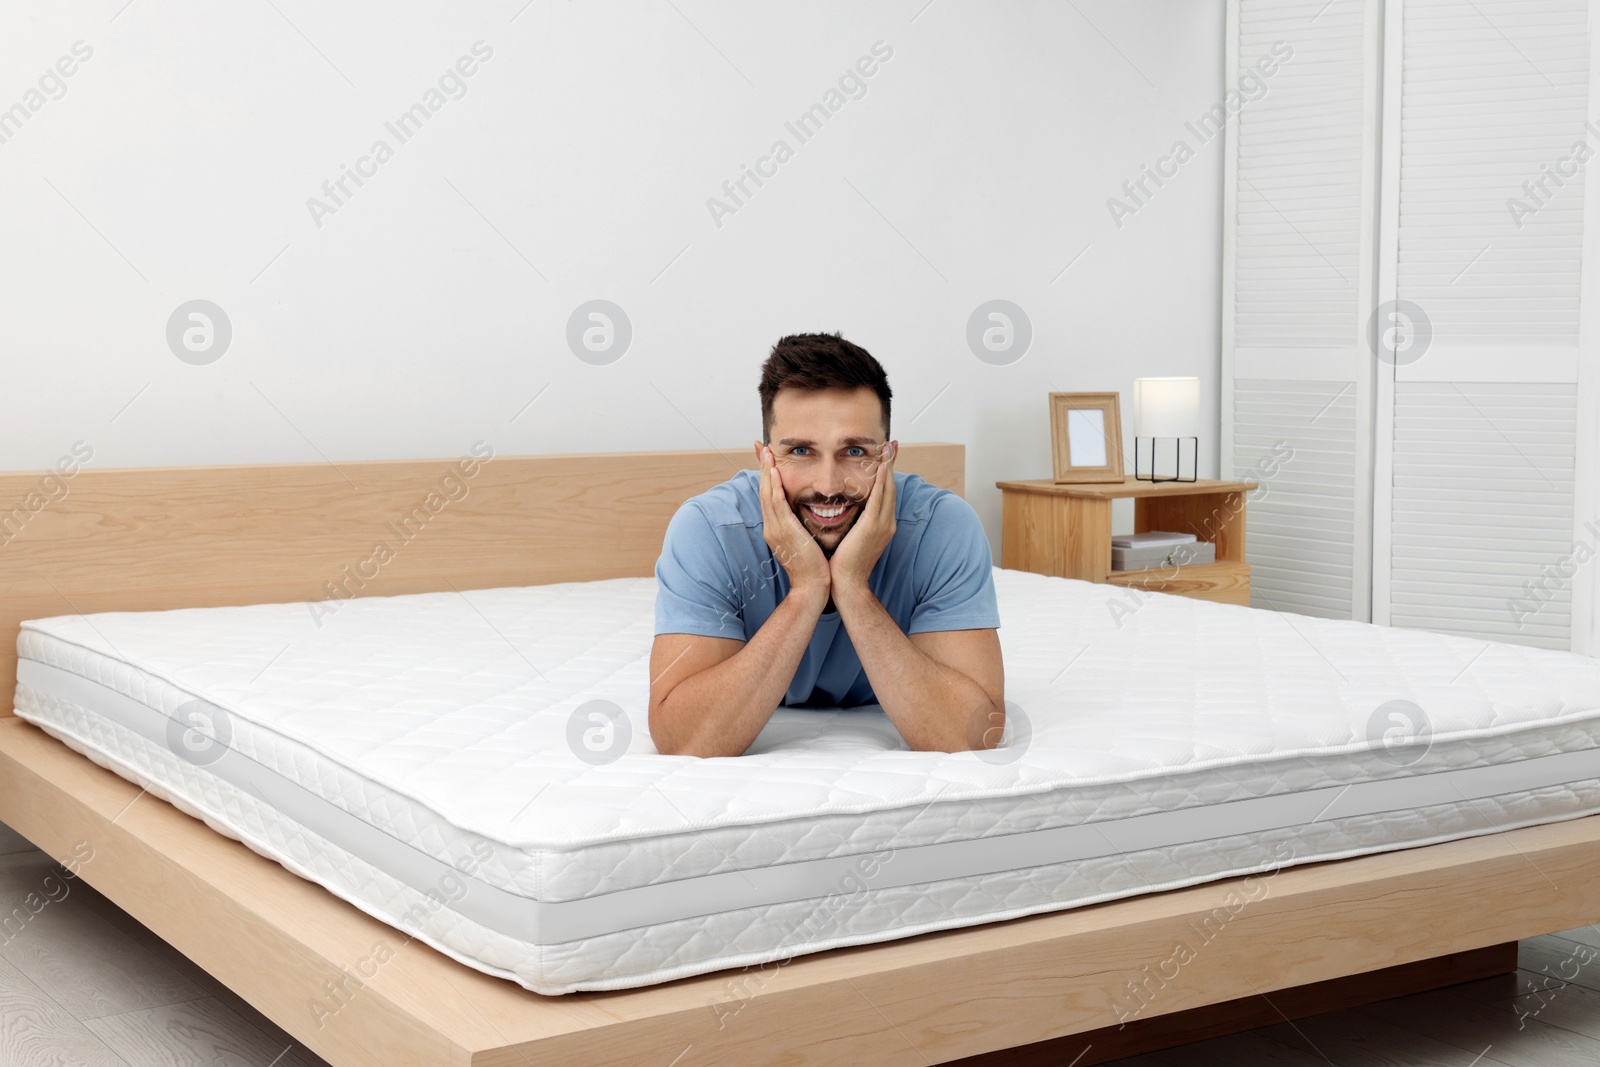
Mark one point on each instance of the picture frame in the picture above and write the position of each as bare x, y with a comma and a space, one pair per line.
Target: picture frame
1086, 437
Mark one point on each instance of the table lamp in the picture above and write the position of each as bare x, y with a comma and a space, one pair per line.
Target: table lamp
1166, 423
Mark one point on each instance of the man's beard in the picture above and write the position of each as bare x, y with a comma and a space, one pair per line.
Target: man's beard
847, 522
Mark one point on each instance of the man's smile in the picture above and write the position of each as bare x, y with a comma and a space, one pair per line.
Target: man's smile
828, 516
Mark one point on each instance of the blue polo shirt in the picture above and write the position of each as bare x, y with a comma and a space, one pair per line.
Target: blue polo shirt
718, 578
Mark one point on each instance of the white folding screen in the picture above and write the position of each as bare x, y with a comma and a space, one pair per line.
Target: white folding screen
1485, 252
1297, 291
1471, 487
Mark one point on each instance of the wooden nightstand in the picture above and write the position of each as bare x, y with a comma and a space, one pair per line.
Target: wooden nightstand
1065, 530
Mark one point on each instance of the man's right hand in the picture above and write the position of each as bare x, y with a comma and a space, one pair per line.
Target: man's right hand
710, 696
796, 550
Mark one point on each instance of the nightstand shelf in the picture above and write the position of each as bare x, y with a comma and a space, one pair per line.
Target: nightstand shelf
1065, 530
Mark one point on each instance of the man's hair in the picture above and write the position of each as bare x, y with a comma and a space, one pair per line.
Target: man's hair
816, 361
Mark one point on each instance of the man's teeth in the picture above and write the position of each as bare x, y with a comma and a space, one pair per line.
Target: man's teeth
826, 513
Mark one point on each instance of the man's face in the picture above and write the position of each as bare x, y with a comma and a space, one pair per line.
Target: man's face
826, 444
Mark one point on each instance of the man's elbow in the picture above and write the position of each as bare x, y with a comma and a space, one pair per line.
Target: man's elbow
674, 746
667, 741
986, 726
671, 739
666, 747
685, 747
983, 728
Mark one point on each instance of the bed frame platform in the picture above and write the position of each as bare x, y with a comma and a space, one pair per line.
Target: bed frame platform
1422, 917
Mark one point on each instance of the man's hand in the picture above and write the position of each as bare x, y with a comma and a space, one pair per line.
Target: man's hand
858, 552
796, 550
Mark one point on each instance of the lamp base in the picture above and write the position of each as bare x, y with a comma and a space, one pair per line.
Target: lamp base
1155, 443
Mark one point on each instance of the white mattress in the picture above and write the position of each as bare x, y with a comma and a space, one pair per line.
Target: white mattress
412, 755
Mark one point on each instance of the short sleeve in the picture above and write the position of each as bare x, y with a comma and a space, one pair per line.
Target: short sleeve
694, 589
954, 572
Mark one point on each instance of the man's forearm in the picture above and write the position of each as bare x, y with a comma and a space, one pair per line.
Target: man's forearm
933, 706
719, 711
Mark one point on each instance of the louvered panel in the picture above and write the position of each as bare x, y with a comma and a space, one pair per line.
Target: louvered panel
1297, 218
1493, 95
1482, 506
1300, 525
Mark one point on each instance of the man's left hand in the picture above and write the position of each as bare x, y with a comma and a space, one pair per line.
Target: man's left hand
852, 562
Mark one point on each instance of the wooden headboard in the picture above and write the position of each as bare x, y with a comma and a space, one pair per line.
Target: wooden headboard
150, 539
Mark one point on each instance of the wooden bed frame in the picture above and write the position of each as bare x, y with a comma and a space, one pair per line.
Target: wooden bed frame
182, 537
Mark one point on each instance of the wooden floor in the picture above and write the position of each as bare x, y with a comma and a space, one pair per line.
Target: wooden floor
83, 983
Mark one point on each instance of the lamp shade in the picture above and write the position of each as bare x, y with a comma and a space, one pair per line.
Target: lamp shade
1166, 407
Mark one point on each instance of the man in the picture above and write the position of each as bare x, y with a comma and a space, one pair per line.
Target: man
826, 580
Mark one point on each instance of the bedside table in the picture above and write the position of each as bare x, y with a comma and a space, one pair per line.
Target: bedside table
1065, 530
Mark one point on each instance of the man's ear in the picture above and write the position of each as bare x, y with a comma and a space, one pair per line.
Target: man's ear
759, 446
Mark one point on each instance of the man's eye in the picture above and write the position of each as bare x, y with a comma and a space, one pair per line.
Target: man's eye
796, 450
858, 452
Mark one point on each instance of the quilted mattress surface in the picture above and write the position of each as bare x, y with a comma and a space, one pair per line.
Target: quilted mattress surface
475, 769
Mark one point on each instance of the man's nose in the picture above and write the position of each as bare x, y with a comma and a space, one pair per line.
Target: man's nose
839, 480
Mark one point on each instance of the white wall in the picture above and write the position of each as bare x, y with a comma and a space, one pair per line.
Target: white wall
179, 161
